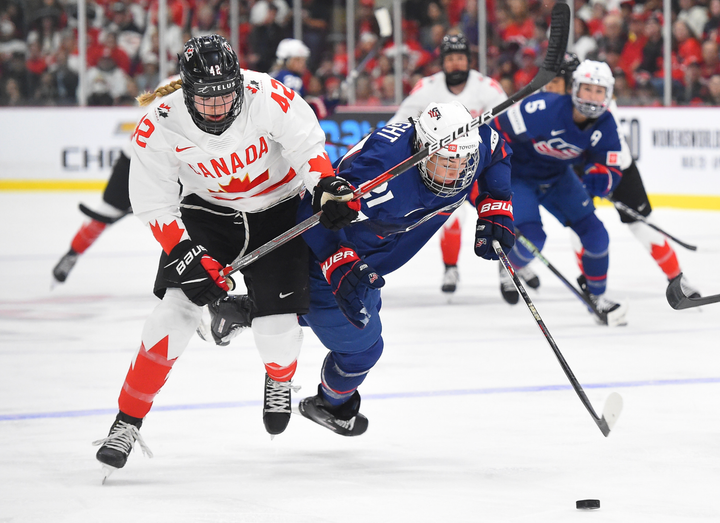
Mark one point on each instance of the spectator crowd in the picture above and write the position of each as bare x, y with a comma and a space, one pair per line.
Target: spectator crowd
39, 60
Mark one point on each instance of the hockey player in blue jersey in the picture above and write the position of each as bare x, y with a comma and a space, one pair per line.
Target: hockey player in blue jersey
396, 219
548, 133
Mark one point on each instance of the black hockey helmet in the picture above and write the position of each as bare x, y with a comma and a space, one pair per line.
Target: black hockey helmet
570, 63
455, 43
209, 68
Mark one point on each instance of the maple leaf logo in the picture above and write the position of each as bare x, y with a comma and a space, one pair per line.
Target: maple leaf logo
168, 235
321, 164
253, 86
237, 185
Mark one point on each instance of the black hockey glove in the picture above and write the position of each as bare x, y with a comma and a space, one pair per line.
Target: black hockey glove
350, 279
495, 222
198, 274
333, 196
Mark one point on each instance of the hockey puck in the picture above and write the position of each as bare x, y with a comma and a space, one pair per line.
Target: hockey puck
587, 503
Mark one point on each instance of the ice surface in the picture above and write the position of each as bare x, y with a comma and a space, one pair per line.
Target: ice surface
471, 417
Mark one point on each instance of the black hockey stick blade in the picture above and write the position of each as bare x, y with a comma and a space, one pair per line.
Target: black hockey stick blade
678, 300
632, 213
614, 403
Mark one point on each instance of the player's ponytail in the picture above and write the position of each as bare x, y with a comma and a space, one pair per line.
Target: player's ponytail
164, 90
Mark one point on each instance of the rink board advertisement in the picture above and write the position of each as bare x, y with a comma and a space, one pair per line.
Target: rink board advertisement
677, 149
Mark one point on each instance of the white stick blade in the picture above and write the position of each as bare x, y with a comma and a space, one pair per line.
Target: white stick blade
382, 16
612, 410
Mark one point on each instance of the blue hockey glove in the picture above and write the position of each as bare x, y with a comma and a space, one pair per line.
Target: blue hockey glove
600, 180
350, 279
333, 195
495, 222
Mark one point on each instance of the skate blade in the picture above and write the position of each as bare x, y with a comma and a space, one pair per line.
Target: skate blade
107, 470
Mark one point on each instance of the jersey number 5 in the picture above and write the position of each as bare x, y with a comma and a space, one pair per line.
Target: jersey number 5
282, 100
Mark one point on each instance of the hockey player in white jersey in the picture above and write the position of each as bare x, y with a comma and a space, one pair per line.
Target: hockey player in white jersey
218, 166
479, 93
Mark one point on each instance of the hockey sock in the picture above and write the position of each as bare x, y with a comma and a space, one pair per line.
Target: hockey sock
278, 338
450, 240
594, 256
87, 235
342, 373
658, 247
519, 256
145, 378
165, 336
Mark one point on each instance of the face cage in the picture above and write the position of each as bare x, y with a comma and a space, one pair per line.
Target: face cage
221, 126
591, 109
463, 180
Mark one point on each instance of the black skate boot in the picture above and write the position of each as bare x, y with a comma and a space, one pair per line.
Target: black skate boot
115, 449
228, 317
507, 287
529, 277
450, 279
64, 266
276, 406
609, 313
344, 419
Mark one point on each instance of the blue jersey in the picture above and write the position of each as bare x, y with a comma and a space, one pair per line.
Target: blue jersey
397, 218
291, 80
545, 139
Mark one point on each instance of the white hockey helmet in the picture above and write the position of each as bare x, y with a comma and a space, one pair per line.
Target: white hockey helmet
291, 48
452, 168
593, 73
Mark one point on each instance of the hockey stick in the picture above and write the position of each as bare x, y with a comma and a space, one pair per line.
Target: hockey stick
614, 402
382, 15
678, 300
632, 213
557, 42
530, 246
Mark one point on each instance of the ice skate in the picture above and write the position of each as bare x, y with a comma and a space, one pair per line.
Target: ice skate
276, 405
687, 289
229, 317
64, 266
529, 277
451, 279
507, 287
609, 313
344, 419
115, 449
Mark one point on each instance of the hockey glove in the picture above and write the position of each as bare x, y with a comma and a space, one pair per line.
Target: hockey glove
495, 222
350, 279
199, 275
600, 180
333, 196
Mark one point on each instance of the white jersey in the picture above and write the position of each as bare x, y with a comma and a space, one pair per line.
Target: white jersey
273, 149
480, 94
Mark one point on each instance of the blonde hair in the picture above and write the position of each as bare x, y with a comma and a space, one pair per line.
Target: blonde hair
164, 90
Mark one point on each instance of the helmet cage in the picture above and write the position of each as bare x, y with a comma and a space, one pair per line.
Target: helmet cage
210, 70
592, 73
436, 171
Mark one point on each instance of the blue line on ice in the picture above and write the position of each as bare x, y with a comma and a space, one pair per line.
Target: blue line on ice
394, 395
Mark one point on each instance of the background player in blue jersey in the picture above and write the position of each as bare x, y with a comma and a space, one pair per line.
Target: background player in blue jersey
396, 219
631, 192
548, 133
